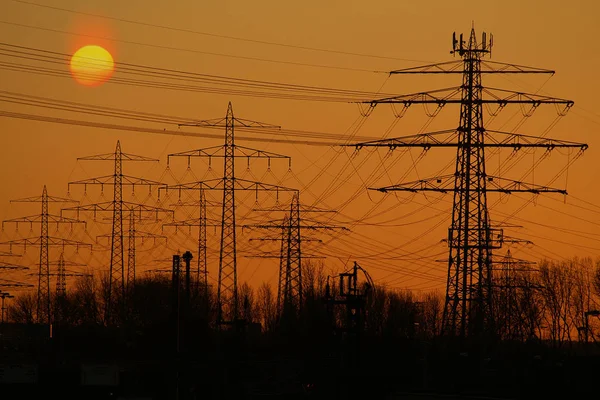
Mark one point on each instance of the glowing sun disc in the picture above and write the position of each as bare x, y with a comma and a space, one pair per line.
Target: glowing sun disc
92, 65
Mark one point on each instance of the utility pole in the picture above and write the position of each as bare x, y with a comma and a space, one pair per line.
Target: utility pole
227, 295
471, 238
117, 273
44, 241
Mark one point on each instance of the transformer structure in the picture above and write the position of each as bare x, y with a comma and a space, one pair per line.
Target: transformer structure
227, 295
289, 288
44, 241
117, 274
471, 237
353, 298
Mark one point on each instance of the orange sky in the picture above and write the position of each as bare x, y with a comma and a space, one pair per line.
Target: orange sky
399, 240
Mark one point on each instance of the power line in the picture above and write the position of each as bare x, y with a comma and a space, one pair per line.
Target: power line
220, 84
264, 42
156, 46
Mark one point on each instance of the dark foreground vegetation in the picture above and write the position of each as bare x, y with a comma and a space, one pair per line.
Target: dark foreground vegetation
544, 344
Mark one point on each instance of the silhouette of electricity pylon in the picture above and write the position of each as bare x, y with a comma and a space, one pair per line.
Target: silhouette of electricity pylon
117, 276
202, 222
289, 289
510, 282
45, 241
471, 238
61, 283
227, 297
133, 234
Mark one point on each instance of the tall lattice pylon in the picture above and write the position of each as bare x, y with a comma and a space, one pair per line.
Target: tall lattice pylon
202, 222
471, 238
290, 290
117, 273
61, 278
283, 263
227, 298
44, 241
292, 297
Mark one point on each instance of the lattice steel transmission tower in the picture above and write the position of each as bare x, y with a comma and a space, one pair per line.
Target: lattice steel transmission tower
134, 233
289, 289
471, 238
227, 298
117, 273
44, 241
202, 222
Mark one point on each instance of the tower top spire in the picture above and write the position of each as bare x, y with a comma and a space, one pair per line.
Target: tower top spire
471, 47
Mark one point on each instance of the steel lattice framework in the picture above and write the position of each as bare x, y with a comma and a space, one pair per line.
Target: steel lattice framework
44, 241
290, 289
227, 297
471, 238
202, 222
117, 273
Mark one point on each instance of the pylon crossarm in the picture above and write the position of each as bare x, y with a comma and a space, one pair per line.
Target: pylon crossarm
109, 180
278, 239
454, 95
304, 256
254, 124
219, 152
138, 235
111, 157
443, 138
445, 184
13, 267
67, 273
109, 206
38, 199
449, 138
515, 240
194, 222
52, 241
516, 141
196, 203
303, 209
7, 283
222, 122
210, 184
487, 67
300, 226
243, 184
218, 184
213, 151
512, 260
55, 219
68, 264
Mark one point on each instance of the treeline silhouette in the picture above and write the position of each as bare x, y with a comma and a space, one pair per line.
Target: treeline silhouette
542, 316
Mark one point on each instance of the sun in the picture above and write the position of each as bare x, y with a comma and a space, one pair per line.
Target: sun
92, 65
